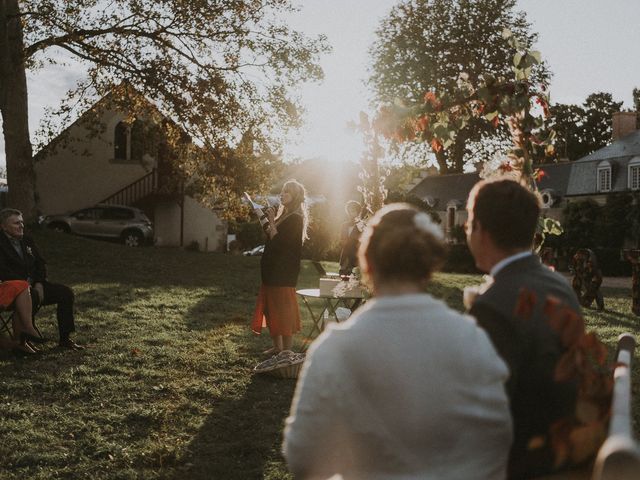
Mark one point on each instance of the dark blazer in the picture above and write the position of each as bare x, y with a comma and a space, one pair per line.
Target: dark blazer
531, 350
31, 267
280, 262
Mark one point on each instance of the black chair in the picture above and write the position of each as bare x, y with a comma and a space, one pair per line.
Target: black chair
6, 320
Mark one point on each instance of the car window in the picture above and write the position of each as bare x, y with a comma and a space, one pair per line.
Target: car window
88, 214
117, 214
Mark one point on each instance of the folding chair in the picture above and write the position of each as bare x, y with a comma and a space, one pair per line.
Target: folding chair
6, 319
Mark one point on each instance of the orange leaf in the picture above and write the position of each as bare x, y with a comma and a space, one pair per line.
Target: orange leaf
525, 304
567, 323
536, 442
550, 305
587, 411
573, 327
560, 444
595, 347
586, 440
505, 167
567, 366
436, 145
423, 123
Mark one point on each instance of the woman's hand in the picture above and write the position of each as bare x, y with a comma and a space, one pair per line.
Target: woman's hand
271, 214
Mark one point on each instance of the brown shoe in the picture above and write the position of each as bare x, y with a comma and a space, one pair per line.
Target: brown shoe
70, 344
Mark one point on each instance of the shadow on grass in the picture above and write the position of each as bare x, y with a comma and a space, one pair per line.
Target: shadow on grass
217, 451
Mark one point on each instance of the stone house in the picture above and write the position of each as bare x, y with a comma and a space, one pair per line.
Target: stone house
611, 169
114, 164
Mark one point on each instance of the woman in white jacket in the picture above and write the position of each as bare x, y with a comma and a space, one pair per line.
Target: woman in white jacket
407, 388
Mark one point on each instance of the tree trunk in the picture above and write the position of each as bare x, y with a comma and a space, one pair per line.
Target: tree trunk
457, 151
441, 158
14, 108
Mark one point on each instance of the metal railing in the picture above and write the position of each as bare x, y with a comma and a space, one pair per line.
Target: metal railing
135, 191
619, 456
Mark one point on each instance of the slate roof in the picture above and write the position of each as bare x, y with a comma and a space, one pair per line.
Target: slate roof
584, 172
556, 177
564, 179
446, 188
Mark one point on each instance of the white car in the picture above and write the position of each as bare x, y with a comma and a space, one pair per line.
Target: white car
259, 250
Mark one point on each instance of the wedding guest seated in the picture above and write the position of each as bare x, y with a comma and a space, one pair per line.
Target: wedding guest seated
14, 295
407, 387
20, 260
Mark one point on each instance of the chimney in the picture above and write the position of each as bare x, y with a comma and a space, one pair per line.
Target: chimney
624, 123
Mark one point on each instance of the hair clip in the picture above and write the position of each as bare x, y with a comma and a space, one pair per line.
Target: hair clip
423, 222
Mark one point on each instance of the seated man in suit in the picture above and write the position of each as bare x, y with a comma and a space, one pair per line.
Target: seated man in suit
20, 260
501, 223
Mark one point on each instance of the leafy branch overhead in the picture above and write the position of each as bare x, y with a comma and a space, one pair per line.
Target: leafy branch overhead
518, 103
218, 69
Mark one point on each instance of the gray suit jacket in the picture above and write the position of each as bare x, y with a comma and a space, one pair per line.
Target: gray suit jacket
531, 350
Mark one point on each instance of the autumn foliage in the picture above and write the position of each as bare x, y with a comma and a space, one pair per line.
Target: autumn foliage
518, 103
577, 437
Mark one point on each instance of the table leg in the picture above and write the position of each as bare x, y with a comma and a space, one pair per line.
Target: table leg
316, 326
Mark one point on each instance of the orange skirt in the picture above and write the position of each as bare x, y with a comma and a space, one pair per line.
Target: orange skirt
277, 308
9, 290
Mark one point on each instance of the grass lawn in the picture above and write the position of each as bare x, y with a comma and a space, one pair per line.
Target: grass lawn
164, 389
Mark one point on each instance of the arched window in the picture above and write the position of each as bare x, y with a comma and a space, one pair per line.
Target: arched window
136, 140
451, 217
634, 174
604, 176
128, 141
120, 141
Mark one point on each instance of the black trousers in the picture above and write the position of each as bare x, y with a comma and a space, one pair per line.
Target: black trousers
63, 297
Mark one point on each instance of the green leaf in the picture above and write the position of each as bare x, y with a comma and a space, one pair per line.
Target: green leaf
491, 115
537, 55
484, 95
516, 59
552, 227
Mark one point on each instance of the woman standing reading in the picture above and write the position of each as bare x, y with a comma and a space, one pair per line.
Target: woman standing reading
277, 306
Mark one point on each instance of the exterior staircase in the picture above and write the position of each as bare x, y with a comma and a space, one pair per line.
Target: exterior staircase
145, 193
136, 191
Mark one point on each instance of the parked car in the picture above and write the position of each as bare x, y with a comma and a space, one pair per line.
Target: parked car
259, 250
128, 224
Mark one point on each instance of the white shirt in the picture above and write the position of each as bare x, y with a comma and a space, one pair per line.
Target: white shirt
407, 388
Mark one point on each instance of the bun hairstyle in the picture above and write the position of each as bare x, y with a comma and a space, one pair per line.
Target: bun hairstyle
401, 243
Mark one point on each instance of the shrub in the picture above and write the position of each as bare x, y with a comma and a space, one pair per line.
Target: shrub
610, 263
193, 247
250, 234
460, 260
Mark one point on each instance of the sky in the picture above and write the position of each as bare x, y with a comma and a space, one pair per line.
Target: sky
590, 46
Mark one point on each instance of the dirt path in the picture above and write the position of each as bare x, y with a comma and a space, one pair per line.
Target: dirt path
611, 282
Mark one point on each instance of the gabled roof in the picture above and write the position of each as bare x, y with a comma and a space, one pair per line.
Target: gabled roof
584, 173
